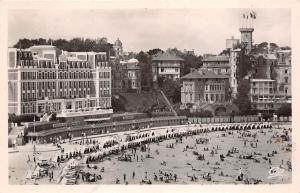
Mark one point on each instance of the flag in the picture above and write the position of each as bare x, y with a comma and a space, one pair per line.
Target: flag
253, 15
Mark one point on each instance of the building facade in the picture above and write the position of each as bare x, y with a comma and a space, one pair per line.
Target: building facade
232, 43
282, 73
126, 76
262, 94
225, 65
233, 59
70, 84
166, 65
271, 85
264, 63
204, 86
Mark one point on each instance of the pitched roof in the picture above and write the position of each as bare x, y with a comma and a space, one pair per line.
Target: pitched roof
166, 57
216, 58
43, 48
203, 73
266, 56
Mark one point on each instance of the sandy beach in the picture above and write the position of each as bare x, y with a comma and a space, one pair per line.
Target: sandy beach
172, 157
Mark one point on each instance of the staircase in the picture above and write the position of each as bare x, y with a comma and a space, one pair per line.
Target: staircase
169, 104
46, 117
204, 106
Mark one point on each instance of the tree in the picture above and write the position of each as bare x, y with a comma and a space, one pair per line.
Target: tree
175, 51
242, 100
190, 61
244, 65
145, 65
285, 48
155, 51
74, 45
102, 41
273, 45
261, 48
61, 44
225, 52
171, 88
285, 110
117, 104
24, 43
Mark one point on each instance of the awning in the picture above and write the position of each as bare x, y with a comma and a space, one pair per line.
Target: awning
98, 119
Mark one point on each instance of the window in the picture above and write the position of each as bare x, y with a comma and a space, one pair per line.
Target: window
191, 97
285, 71
286, 79
206, 87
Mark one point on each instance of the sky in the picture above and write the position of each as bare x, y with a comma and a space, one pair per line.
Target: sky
204, 30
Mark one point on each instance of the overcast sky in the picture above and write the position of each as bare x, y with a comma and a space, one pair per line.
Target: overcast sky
204, 30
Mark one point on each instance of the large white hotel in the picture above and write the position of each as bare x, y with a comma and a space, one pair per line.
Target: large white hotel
45, 79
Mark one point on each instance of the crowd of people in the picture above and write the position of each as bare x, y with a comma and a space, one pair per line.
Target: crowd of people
132, 151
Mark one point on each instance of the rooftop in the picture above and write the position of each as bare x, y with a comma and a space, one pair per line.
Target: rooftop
216, 59
43, 48
133, 60
203, 73
166, 57
75, 59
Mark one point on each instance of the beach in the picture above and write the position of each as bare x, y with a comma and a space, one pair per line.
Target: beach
166, 158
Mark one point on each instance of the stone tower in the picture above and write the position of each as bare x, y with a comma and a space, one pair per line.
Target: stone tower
246, 38
246, 29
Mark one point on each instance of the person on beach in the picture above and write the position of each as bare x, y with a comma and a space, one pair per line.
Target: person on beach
124, 177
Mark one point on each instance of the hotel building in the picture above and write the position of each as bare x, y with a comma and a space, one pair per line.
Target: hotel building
43, 79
